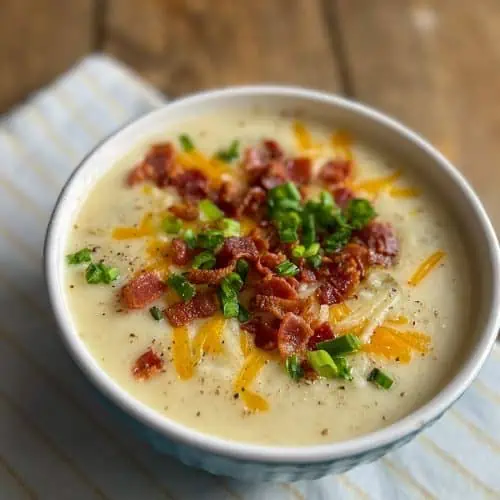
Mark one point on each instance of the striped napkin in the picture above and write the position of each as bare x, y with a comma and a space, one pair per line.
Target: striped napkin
57, 442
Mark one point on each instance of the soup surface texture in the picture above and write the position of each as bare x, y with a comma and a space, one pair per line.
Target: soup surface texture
284, 234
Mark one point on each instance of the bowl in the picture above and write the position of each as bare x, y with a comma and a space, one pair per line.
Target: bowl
259, 462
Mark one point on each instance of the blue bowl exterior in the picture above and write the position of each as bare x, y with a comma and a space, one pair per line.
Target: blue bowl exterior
251, 470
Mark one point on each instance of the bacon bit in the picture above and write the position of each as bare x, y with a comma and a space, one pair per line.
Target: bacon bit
376, 186
210, 276
309, 371
147, 364
235, 248
379, 237
276, 174
142, 290
201, 305
264, 330
335, 171
267, 262
307, 276
343, 196
426, 267
396, 345
252, 365
293, 335
343, 274
229, 197
185, 211
277, 287
302, 136
278, 306
311, 310
128, 233
266, 237
191, 184
338, 312
181, 351
300, 170
321, 333
180, 252
156, 167
255, 162
253, 202
398, 320
342, 141
209, 338
273, 149
408, 192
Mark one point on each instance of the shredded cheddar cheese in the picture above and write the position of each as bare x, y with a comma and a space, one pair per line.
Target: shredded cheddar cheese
338, 312
426, 267
211, 167
209, 338
147, 189
245, 343
376, 186
145, 228
158, 257
246, 225
251, 366
408, 192
398, 320
181, 348
355, 329
341, 142
302, 136
396, 345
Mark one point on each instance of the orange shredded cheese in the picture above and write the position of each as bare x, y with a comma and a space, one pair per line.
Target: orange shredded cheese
356, 329
246, 225
338, 312
211, 167
145, 228
408, 192
426, 267
245, 343
376, 186
342, 142
302, 135
181, 349
251, 366
147, 189
398, 320
209, 338
159, 257
395, 345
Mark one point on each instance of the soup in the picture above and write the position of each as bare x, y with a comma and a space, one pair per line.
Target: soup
268, 280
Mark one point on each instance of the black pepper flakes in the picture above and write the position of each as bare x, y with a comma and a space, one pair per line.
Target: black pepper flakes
324, 432
236, 395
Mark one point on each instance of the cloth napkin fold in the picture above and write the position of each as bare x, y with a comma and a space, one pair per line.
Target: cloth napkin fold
56, 441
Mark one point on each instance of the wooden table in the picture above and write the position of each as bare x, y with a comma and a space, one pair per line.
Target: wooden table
434, 64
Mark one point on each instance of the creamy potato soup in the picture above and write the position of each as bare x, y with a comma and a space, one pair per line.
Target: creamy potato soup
269, 280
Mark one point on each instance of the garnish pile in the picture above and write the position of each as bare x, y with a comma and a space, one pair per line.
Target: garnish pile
266, 239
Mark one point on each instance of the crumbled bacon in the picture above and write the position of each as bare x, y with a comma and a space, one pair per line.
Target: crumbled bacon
181, 254
293, 335
343, 196
235, 248
277, 287
142, 290
255, 163
201, 305
229, 197
335, 171
264, 330
210, 276
156, 167
147, 364
273, 149
382, 242
277, 306
265, 237
307, 275
191, 184
185, 211
300, 170
275, 175
253, 201
267, 262
321, 333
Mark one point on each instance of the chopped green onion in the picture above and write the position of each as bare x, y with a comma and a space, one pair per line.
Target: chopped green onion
283, 198
345, 371
294, 367
312, 250
228, 293
243, 315
315, 261
308, 229
298, 251
182, 286
232, 283
100, 273
341, 345
210, 240
340, 237
156, 313
230, 227
287, 268
190, 238
204, 260
79, 257
380, 378
322, 363
186, 143
231, 153
326, 200
242, 268
288, 224
359, 213
230, 306
210, 211
171, 224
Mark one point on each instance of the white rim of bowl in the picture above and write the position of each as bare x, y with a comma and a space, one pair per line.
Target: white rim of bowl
178, 432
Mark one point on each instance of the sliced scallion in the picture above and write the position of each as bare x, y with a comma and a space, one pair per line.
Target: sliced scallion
190, 238
186, 143
315, 261
287, 268
359, 213
231, 153
294, 367
243, 315
380, 378
311, 250
230, 227
101, 273
171, 224
210, 211
210, 240
345, 371
298, 251
79, 257
182, 286
322, 363
242, 268
204, 260
341, 345
156, 313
